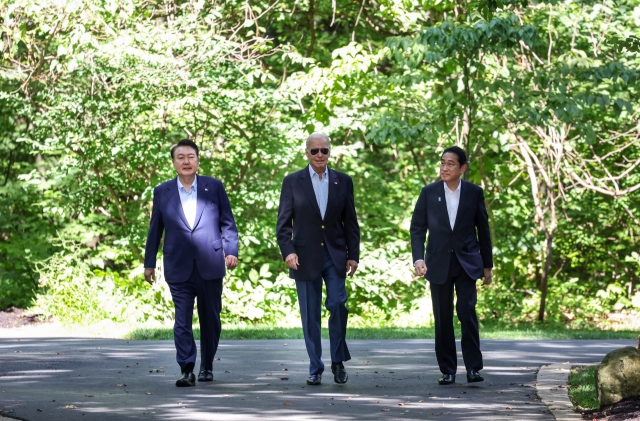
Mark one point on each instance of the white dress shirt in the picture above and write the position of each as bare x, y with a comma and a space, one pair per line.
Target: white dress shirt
320, 188
452, 198
189, 200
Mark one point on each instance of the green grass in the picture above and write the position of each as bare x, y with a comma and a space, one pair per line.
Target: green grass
493, 330
582, 387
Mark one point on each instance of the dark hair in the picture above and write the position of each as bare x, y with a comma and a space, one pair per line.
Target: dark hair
185, 142
462, 157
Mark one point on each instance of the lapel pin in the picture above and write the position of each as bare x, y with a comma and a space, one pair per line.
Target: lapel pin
439, 199
335, 182
206, 189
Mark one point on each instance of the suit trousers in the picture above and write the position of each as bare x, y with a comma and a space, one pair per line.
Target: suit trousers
208, 292
310, 302
442, 298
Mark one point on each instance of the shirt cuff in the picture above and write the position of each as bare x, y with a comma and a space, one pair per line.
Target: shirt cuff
419, 260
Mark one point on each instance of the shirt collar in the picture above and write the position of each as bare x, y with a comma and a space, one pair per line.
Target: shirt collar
194, 185
448, 190
312, 172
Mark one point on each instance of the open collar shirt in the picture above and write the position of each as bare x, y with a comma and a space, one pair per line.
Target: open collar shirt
320, 188
452, 198
189, 200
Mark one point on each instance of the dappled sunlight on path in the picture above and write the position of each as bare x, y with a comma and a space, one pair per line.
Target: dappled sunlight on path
95, 379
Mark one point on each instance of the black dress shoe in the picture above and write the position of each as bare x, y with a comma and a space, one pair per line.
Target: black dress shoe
188, 379
473, 376
447, 379
315, 379
339, 373
205, 375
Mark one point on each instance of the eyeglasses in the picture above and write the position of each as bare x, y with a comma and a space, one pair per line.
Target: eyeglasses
314, 151
449, 165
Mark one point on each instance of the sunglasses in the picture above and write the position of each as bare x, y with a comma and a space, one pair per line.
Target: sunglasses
314, 151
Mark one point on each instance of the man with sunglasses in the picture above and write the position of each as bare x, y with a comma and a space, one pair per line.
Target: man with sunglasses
319, 238
458, 253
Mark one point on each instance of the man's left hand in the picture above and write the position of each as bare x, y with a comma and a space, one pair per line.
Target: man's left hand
352, 266
487, 276
231, 262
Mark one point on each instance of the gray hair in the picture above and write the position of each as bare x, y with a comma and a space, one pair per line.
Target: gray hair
318, 136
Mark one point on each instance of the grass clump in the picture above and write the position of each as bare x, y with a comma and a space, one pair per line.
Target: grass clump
582, 387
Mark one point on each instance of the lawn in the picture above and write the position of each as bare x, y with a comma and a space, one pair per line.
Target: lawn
518, 331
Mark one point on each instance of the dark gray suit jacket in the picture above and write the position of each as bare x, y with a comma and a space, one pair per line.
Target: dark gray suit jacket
470, 238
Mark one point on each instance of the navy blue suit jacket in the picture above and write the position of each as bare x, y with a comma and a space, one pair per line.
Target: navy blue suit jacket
213, 237
302, 230
470, 238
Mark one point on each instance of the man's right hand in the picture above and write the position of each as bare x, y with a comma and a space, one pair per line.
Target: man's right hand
292, 261
150, 275
421, 268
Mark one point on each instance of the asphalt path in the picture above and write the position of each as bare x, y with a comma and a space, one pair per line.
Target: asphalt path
70, 379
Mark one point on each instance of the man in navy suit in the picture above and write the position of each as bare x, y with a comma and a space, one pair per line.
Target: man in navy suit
201, 238
458, 253
319, 238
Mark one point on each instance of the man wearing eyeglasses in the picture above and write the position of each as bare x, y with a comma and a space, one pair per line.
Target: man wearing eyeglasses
319, 238
458, 253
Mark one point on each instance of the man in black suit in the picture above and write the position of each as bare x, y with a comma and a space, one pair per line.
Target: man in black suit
319, 238
458, 253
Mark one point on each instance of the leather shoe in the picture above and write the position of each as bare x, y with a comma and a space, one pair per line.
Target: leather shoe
188, 379
447, 379
205, 375
314, 379
473, 376
339, 373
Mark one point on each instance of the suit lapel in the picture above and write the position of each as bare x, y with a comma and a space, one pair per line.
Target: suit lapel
203, 188
333, 191
174, 199
307, 186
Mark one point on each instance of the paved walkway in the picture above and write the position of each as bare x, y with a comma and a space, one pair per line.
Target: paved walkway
99, 379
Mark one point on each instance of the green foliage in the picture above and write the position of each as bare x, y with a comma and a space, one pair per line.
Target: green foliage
93, 94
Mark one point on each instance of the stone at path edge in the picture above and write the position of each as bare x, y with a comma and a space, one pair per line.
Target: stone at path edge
618, 376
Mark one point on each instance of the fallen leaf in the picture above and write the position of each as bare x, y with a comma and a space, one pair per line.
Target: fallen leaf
285, 369
284, 378
121, 385
385, 410
509, 408
367, 362
71, 407
400, 404
39, 410
287, 403
149, 393
89, 396
421, 401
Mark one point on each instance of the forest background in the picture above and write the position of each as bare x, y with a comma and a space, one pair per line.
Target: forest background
543, 95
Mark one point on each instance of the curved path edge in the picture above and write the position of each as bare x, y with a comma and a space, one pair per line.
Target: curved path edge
553, 391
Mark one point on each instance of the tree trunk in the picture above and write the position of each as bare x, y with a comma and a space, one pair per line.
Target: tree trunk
467, 115
544, 281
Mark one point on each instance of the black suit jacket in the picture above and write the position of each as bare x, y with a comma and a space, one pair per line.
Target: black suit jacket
302, 230
470, 238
